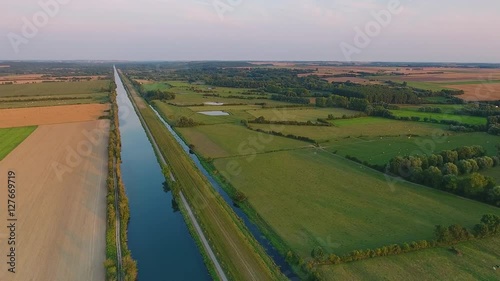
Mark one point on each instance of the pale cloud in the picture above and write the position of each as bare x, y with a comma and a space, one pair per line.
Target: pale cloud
256, 29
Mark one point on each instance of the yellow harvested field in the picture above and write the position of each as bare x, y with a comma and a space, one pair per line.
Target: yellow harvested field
21, 117
479, 92
60, 204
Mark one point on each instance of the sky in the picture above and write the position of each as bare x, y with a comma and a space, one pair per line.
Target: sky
264, 30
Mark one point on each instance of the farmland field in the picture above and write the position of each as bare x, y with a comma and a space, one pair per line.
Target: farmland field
301, 115
381, 150
358, 128
307, 195
173, 113
479, 92
12, 137
471, 120
61, 202
234, 140
354, 207
42, 101
55, 88
19, 117
477, 262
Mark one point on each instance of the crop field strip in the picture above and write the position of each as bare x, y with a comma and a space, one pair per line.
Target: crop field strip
54, 88
350, 195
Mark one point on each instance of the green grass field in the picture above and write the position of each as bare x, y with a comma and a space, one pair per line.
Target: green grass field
426, 86
476, 263
38, 101
340, 205
234, 140
468, 82
380, 150
466, 119
415, 84
300, 114
173, 113
358, 127
56, 88
446, 108
11, 138
156, 86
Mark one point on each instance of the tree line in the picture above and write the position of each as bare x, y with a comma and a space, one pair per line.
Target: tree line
262, 120
129, 265
289, 83
152, 94
479, 109
488, 226
454, 171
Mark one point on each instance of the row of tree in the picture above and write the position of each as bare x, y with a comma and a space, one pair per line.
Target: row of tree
479, 109
129, 265
262, 120
358, 104
430, 109
494, 125
291, 99
297, 83
184, 122
157, 95
454, 171
489, 225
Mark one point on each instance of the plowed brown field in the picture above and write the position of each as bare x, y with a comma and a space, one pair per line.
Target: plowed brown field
20, 117
60, 203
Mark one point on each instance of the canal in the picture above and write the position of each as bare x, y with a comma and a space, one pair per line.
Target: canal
157, 234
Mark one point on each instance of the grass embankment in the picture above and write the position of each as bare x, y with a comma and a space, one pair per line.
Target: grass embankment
12, 137
114, 180
239, 253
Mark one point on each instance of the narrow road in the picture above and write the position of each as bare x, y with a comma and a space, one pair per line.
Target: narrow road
194, 221
117, 226
204, 241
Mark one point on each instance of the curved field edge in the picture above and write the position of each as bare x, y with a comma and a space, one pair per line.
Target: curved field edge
12, 137
126, 268
183, 168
